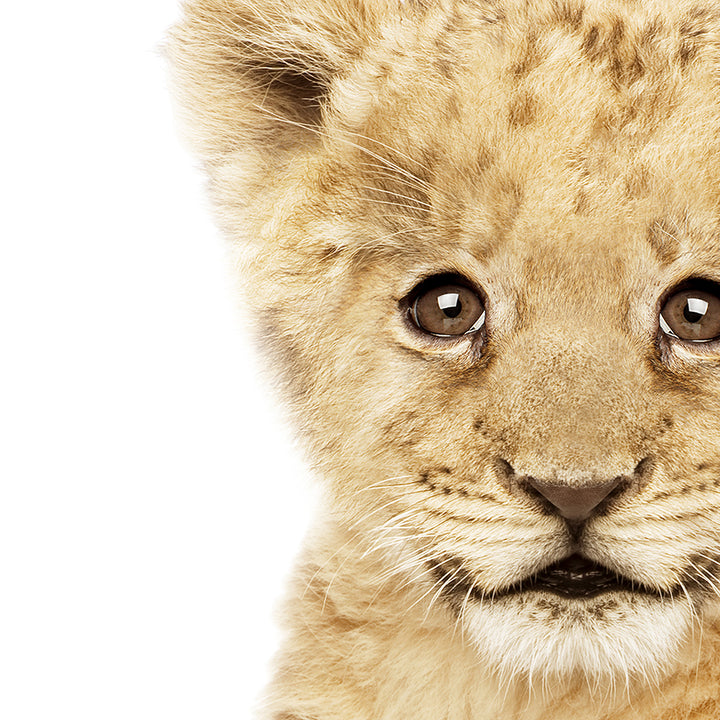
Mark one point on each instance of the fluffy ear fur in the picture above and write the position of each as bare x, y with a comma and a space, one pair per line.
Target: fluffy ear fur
251, 73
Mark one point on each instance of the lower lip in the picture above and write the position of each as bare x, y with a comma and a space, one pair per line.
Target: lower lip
571, 578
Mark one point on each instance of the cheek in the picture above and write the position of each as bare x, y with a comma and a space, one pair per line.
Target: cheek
368, 393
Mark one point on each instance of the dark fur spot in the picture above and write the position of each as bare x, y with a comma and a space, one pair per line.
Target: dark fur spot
621, 57
569, 14
616, 36
484, 158
445, 58
663, 241
616, 70
529, 58
383, 71
692, 33
690, 516
402, 428
636, 68
597, 612
329, 252
444, 66
552, 608
590, 42
451, 109
697, 22
427, 164
687, 52
425, 480
581, 203
449, 490
523, 110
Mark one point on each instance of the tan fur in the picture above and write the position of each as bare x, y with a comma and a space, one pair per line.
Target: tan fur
565, 157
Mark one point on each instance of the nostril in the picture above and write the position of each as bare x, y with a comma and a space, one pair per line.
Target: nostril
574, 503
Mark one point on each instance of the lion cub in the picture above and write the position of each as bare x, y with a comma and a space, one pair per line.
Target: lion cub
481, 239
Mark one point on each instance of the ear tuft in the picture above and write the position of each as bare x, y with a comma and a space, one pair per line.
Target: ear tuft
249, 71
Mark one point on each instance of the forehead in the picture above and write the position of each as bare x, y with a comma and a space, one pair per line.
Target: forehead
573, 134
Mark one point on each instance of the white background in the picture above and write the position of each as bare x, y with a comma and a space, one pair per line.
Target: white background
150, 504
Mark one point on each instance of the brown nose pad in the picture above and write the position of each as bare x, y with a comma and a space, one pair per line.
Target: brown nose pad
574, 503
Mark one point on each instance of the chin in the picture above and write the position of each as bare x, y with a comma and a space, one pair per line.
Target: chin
610, 641
574, 620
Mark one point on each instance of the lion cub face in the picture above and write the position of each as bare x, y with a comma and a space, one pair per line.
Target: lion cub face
482, 244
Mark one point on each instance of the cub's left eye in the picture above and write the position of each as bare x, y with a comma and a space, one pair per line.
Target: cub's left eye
692, 314
448, 309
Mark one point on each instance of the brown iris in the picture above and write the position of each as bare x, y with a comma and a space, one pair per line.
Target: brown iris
448, 308
692, 314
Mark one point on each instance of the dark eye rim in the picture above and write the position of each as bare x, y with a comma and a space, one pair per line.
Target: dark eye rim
692, 283
407, 305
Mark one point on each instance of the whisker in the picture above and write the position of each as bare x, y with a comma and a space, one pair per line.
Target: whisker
398, 195
383, 160
401, 206
381, 171
382, 483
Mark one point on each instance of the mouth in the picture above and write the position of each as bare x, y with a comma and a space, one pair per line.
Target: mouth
578, 577
575, 577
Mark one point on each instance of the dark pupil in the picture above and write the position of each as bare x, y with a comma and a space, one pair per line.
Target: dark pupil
450, 304
694, 309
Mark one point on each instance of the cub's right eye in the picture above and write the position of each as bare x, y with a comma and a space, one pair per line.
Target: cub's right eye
447, 308
692, 312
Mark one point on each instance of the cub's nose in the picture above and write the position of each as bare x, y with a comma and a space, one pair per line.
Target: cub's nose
574, 503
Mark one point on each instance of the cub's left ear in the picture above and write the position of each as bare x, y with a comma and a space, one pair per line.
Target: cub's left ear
255, 74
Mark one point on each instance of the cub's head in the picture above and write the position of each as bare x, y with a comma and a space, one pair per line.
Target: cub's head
481, 241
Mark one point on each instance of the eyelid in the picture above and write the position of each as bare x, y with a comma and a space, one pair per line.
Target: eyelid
433, 280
